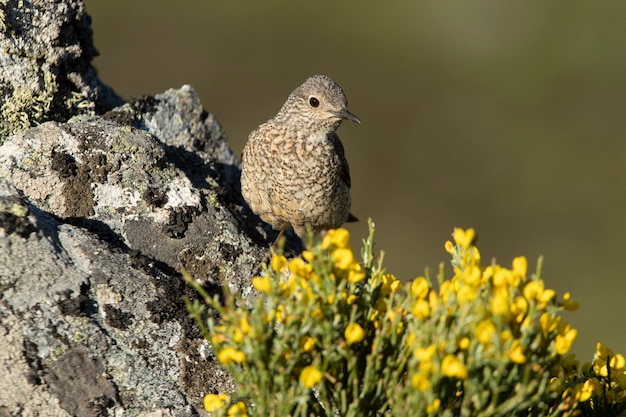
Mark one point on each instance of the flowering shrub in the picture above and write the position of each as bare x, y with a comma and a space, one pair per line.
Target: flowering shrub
330, 335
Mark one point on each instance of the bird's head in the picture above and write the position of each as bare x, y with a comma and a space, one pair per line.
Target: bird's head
320, 101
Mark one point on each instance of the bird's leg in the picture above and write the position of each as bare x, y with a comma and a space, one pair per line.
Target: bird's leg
280, 234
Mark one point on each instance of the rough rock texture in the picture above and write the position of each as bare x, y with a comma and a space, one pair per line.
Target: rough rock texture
97, 215
46, 49
84, 331
174, 199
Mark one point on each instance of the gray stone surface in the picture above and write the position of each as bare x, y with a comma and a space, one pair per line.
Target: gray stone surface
96, 217
174, 198
81, 332
46, 48
100, 207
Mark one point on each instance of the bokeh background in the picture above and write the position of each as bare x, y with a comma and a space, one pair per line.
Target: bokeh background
508, 117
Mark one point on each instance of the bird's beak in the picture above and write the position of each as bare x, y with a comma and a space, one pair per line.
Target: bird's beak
345, 114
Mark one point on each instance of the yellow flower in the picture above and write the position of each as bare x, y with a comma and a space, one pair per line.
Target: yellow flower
533, 289
262, 284
464, 343
485, 331
445, 290
307, 344
410, 340
564, 340
420, 287
466, 294
244, 325
602, 351
310, 376
583, 391
500, 303
506, 335
351, 299
617, 362
434, 406
546, 296
328, 239
502, 277
516, 354
427, 367
342, 258
390, 283
449, 246
238, 410
568, 303
452, 367
356, 273
213, 402
464, 238
472, 275
308, 256
354, 333
278, 263
488, 273
520, 266
519, 308
594, 385
298, 267
230, 354
237, 335
421, 309
433, 300
475, 256
279, 313
424, 354
400, 327
600, 368
420, 381
548, 323
339, 238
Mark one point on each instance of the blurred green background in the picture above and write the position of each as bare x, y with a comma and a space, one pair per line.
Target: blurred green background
508, 117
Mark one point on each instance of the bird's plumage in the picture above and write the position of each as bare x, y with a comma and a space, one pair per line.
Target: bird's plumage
294, 170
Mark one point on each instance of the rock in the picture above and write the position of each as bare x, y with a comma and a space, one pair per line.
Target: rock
98, 213
173, 198
85, 332
96, 216
46, 49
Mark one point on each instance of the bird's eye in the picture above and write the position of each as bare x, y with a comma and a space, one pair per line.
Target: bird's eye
314, 102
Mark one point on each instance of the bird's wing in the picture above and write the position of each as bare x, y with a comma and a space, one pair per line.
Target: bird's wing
345, 168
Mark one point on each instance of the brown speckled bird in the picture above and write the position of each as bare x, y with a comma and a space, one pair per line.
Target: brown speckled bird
294, 172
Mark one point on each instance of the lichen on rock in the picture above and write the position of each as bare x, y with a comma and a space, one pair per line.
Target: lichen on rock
101, 204
46, 49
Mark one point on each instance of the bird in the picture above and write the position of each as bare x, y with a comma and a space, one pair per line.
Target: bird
294, 170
